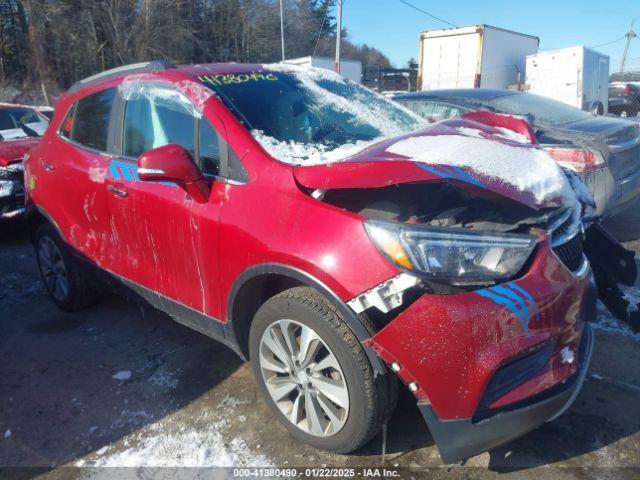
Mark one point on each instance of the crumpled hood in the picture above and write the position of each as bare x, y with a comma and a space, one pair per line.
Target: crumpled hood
14, 150
458, 150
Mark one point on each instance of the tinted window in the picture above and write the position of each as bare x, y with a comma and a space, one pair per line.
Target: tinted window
155, 118
433, 110
91, 119
209, 151
544, 110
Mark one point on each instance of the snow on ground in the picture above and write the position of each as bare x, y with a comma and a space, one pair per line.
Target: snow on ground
122, 375
164, 445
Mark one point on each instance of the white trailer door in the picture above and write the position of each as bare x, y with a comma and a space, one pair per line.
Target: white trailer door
558, 76
450, 61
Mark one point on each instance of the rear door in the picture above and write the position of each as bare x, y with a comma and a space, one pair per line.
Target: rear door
77, 171
165, 241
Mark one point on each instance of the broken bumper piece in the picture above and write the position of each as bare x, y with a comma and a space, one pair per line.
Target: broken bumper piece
460, 439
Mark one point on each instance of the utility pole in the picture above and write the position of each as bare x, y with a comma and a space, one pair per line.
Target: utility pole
630, 35
282, 31
338, 36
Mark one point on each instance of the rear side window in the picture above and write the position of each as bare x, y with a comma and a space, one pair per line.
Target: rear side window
433, 110
89, 123
157, 117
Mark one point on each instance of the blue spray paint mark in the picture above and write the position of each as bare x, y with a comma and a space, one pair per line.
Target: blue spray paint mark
455, 173
516, 299
505, 302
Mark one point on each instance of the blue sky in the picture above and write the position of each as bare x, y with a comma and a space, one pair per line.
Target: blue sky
393, 27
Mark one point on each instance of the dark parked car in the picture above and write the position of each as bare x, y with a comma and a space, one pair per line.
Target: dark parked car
624, 94
603, 151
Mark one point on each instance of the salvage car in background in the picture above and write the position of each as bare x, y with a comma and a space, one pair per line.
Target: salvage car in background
603, 151
20, 131
624, 98
330, 236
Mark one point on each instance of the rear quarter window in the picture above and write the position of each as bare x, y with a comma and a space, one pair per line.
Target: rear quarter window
87, 123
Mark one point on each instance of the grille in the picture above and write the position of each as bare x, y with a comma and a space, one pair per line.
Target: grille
570, 252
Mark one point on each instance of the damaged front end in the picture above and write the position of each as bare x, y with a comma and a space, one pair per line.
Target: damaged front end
12, 192
486, 321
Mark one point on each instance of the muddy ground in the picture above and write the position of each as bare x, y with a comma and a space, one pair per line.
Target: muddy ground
121, 385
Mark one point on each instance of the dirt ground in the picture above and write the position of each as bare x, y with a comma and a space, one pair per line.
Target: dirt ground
121, 385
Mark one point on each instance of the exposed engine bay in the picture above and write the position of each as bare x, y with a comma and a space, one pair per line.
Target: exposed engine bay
452, 206
440, 204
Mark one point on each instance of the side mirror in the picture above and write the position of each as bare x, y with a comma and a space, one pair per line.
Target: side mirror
172, 163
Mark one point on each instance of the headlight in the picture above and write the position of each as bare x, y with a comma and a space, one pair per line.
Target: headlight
6, 188
456, 256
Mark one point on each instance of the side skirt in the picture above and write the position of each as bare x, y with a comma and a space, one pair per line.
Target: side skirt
187, 316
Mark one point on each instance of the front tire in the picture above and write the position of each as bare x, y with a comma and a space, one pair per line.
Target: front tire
315, 374
68, 282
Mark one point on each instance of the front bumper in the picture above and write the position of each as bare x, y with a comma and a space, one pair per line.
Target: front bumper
473, 357
460, 439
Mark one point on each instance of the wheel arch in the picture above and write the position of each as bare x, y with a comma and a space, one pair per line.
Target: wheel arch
257, 284
36, 216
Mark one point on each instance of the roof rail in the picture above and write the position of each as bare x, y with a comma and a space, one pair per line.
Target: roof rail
153, 66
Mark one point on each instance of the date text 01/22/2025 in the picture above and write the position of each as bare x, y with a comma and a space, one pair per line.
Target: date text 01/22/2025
316, 473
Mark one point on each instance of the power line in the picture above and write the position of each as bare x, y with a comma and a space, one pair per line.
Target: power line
324, 19
609, 43
429, 14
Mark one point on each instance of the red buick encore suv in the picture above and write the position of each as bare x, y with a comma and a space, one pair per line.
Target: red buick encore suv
330, 237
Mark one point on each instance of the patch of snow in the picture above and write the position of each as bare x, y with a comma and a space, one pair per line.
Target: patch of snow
164, 377
567, 355
122, 375
595, 376
7, 434
367, 106
511, 135
310, 154
470, 132
160, 446
103, 450
525, 168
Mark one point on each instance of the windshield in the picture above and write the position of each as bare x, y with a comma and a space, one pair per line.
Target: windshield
20, 122
545, 110
310, 115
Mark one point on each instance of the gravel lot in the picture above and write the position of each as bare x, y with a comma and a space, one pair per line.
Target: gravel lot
121, 384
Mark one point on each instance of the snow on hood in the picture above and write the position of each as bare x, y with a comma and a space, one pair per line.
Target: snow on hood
495, 158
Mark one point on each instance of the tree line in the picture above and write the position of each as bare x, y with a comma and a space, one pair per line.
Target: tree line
60, 41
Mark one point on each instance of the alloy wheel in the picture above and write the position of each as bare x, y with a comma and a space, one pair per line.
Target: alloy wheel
53, 269
304, 378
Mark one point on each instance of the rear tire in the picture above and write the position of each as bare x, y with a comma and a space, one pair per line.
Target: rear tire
357, 403
68, 281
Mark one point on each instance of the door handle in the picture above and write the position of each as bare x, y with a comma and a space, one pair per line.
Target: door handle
117, 191
48, 166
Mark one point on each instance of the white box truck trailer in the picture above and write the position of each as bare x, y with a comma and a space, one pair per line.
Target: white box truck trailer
472, 57
577, 76
351, 69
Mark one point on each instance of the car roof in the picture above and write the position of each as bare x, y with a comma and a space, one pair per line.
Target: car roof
468, 94
162, 66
